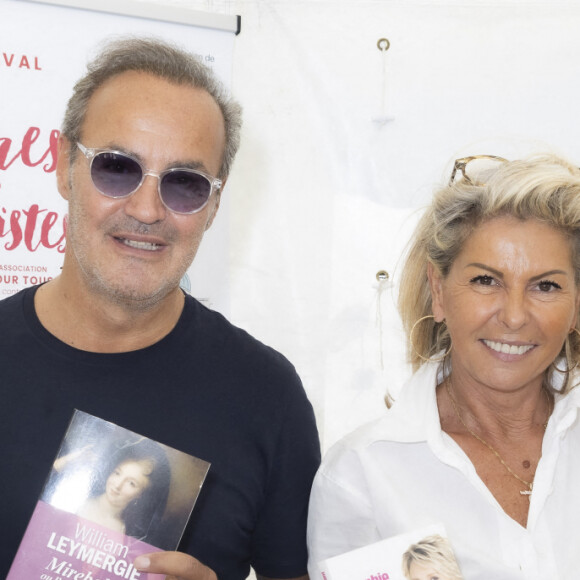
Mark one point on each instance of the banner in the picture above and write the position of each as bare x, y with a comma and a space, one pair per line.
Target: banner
44, 50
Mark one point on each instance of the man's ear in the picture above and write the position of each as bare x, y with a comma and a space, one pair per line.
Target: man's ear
436, 287
216, 205
63, 167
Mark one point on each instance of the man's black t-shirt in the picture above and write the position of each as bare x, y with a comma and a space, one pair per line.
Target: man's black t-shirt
208, 389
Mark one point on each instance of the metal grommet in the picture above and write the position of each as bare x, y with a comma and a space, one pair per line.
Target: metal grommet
382, 275
383, 44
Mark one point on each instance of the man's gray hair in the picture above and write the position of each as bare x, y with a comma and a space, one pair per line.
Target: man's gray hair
160, 59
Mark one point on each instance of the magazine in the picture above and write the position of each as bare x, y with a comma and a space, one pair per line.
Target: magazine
422, 554
110, 496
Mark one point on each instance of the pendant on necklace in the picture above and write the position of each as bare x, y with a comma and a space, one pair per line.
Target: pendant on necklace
528, 492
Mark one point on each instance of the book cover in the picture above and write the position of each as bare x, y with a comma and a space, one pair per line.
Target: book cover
111, 495
423, 554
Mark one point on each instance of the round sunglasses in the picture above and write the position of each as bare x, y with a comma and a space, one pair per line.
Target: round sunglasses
116, 174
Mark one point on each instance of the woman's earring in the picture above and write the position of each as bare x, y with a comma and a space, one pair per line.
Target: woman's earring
415, 349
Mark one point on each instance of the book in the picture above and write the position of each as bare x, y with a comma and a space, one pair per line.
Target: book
111, 495
422, 554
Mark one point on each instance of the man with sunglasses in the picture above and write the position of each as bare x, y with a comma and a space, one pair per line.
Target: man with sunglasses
147, 143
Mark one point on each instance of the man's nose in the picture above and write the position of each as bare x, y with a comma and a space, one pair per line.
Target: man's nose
145, 204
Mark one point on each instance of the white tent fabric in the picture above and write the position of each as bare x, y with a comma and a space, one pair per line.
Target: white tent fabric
323, 195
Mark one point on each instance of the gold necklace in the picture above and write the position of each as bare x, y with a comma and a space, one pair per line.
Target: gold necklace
528, 484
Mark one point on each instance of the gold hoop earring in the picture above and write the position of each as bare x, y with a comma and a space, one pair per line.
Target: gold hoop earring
567, 371
426, 359
568, 351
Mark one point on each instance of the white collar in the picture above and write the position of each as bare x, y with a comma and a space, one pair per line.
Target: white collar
414, 416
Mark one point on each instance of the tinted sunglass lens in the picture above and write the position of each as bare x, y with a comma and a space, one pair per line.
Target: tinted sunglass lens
185, 191
115, 175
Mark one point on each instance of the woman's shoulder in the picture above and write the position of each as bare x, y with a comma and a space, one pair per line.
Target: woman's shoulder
346, 456
404, 421
363, 436
411, 419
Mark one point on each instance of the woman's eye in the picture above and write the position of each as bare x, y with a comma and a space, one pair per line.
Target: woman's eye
483, 280
548, 286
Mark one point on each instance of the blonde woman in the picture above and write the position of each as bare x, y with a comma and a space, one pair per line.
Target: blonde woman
485, 436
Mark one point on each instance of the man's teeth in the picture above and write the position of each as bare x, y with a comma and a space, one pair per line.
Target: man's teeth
508, 348
141, 245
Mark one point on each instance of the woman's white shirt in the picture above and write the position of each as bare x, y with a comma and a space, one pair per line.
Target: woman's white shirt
403, 472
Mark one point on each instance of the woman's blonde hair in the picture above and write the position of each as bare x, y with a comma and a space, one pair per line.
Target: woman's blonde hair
545, 188
432, 551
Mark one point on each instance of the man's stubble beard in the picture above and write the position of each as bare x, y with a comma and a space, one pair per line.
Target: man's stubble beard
115, 286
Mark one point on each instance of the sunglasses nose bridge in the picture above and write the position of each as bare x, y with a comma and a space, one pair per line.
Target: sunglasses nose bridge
156, 174
145, 202
147, 172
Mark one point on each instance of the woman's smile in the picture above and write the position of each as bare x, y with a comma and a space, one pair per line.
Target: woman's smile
506, 348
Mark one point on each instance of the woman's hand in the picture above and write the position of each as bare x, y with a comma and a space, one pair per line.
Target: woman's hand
175, 566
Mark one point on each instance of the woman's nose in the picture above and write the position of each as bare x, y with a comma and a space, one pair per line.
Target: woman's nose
514, 310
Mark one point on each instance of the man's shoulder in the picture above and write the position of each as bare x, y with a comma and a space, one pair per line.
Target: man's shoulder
232, 340
13, 309
15, 301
